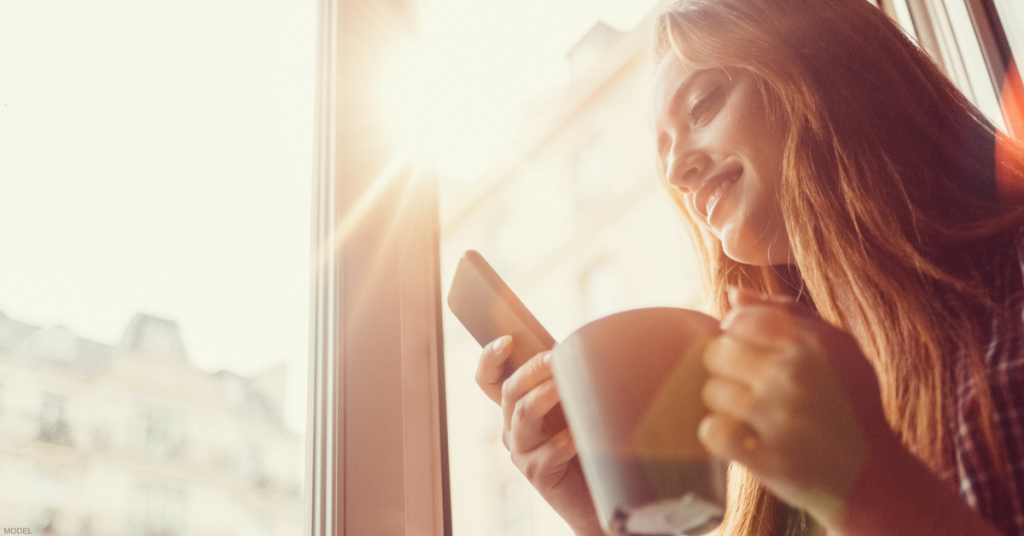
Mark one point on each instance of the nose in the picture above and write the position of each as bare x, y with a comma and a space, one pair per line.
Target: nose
684, 168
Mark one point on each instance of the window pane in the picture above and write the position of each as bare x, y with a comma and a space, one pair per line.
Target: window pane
1011, 14
154, 223
570, 213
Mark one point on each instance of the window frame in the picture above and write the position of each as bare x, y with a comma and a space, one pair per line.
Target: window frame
376, 443
930, 21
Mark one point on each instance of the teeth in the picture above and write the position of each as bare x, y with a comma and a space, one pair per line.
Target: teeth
712, 199
715, 195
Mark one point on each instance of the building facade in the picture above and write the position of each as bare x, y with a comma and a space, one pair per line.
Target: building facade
131, 439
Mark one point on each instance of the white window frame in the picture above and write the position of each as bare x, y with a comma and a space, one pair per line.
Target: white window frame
376, 456
931, 27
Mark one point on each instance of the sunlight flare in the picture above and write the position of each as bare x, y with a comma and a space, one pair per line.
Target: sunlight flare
438, 103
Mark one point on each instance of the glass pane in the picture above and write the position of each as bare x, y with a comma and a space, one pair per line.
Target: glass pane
978, 84
537, 115
154, 224
541, 135
1011, 14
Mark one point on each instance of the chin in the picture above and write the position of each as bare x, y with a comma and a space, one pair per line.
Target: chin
758, 254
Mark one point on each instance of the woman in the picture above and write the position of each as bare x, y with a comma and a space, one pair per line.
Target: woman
823, 161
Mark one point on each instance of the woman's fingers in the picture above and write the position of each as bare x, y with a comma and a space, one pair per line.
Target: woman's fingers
736, 360
729, 438
525, 396
546, 463
535, 404
773, 321
523, 380
765, 324
790, 397
521, 406
729, 398
525, 429
489, 371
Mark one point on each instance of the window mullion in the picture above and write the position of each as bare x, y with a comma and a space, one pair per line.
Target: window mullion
377, 439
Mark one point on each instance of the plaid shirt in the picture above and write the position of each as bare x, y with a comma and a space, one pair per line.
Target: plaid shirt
994, 490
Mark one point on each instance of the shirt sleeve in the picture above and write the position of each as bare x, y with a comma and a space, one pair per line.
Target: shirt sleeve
990, 485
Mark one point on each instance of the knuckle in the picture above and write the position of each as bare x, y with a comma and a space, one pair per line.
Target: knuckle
523, 410
791, 372
531, 467
537, 365
517, 459
548, 388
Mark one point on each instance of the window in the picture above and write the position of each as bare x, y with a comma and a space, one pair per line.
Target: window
585, 186
48, 503
53, 424
974, 42
158, 432
154, 222
158, 511
541, 282
114, 205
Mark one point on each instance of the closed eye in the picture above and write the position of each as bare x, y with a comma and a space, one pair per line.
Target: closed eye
705, 105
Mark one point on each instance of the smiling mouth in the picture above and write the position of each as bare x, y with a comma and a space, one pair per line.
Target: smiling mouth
713, 189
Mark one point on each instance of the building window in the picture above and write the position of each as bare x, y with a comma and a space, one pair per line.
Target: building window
157, 511
47, 518
250, 466
53, 424
157, 432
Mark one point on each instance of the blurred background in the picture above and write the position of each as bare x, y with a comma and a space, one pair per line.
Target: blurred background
155, 171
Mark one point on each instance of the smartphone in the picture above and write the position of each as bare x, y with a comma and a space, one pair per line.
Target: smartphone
488, 308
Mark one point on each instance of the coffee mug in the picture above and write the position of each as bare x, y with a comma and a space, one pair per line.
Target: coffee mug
631, 385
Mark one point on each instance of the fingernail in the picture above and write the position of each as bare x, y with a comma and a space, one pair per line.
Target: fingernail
547, 358
500, 344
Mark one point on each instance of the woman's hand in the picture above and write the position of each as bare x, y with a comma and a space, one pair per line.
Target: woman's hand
794, 400
547, 460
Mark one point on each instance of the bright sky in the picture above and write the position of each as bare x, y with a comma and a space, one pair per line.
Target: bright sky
156, 156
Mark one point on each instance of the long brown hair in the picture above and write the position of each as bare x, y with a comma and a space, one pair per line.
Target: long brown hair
890, 203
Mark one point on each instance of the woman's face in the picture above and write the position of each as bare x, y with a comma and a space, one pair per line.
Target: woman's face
722, 151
